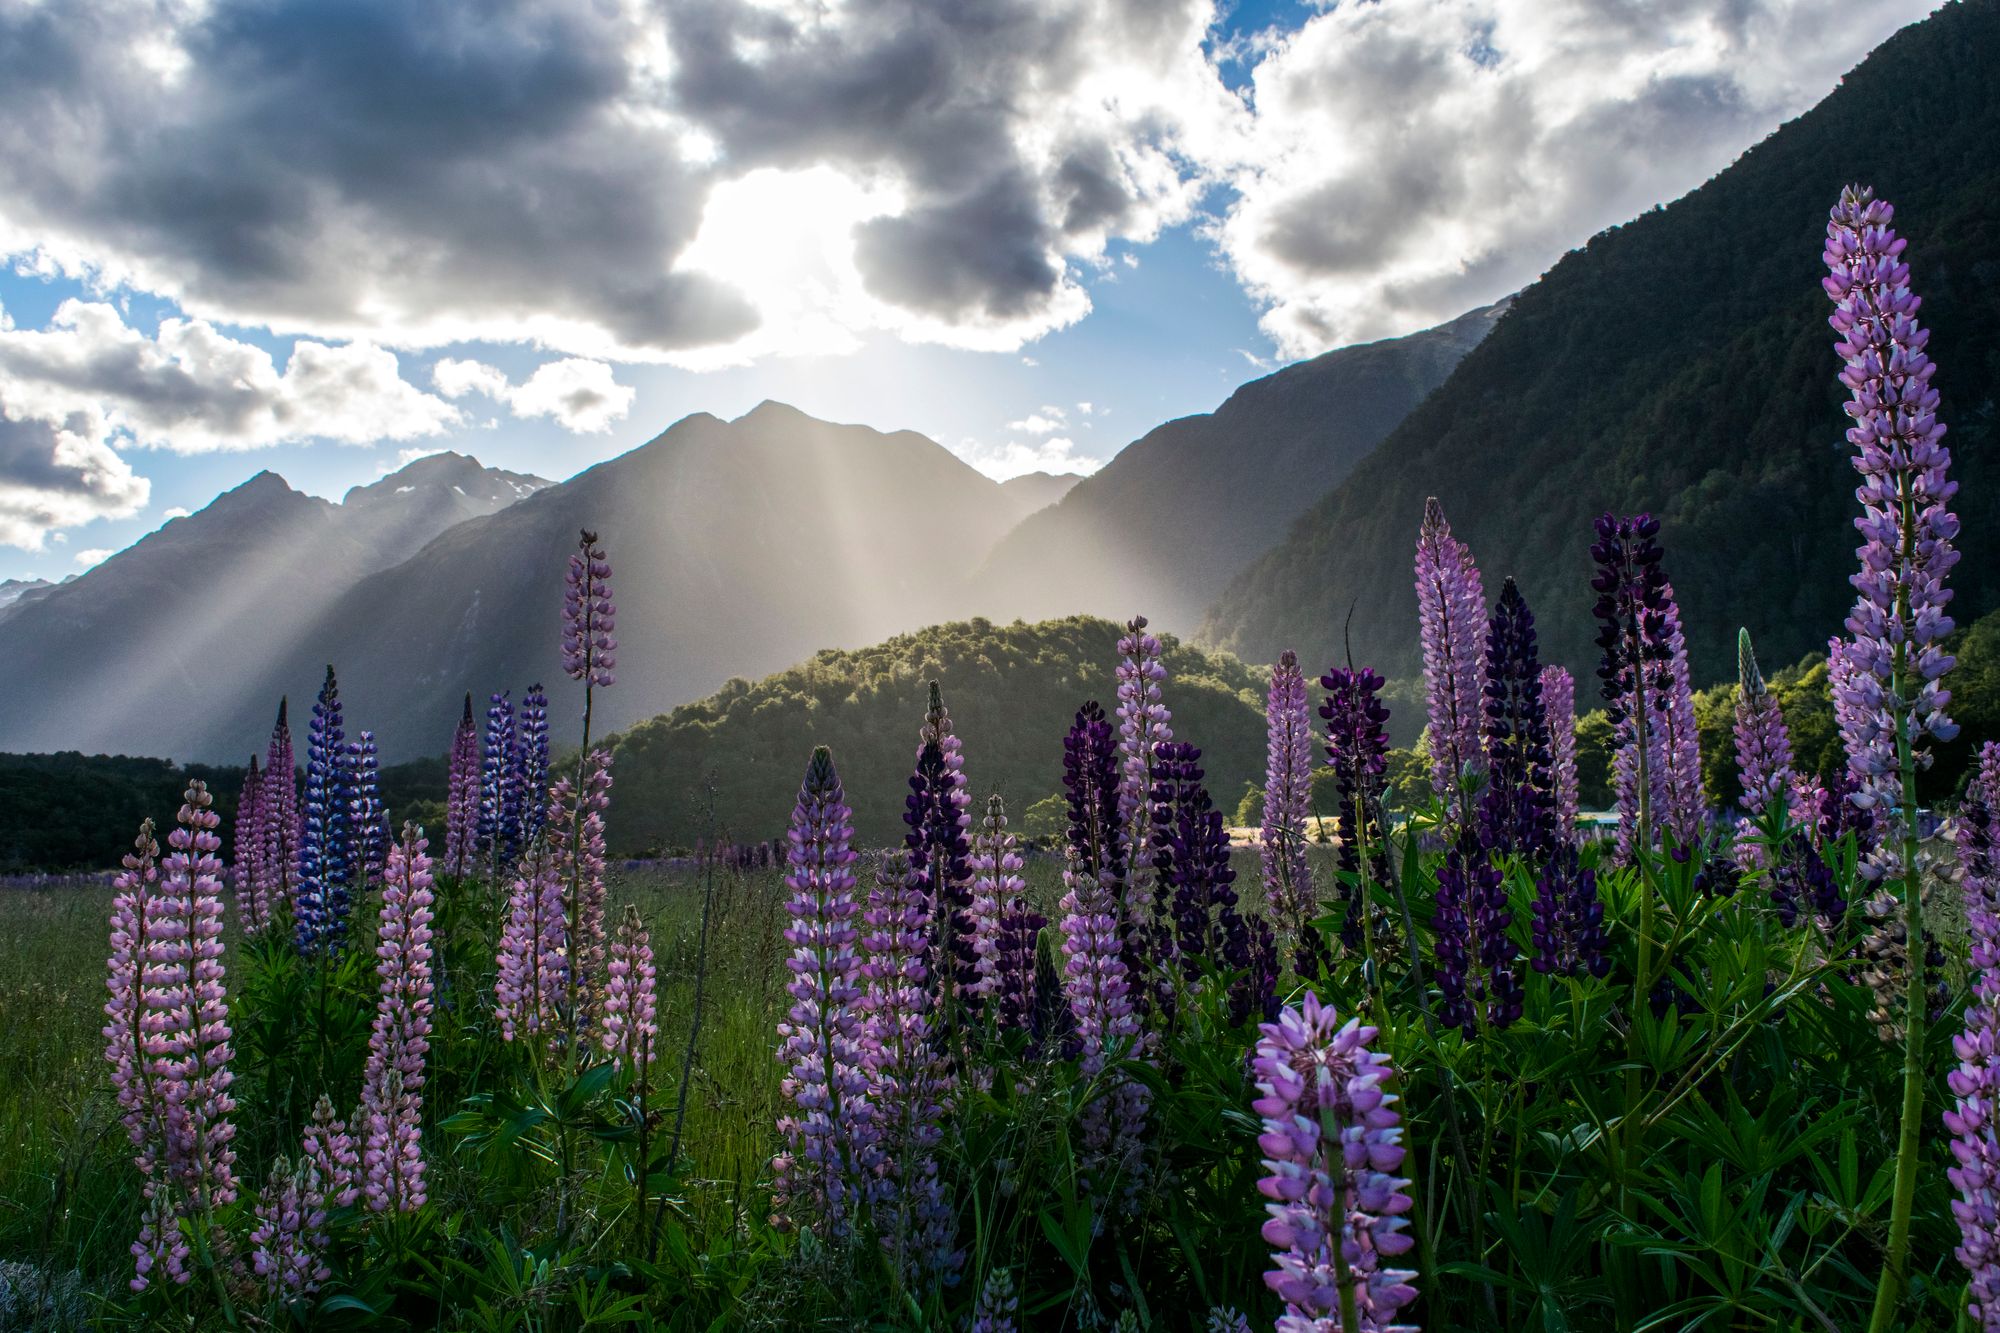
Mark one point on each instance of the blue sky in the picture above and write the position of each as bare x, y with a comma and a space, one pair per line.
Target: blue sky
318, 237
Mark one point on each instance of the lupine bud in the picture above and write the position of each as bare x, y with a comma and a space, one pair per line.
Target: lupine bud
331, 1150
828, 1131
461, 823
589, 616
998, 1306
326, 848
1332, 1142
1451, 609
288, 1244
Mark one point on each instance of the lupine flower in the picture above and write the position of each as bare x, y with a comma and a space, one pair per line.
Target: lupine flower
1095, 833
1190, 854
1679, 745
1332, 1142
1475, 954
1288, 887
1763, 746
367, 816
579, 868
141, 945
531, 759
631, 990
998, 1306
461, 805
253, 900
1900, 617
282, 832
334, 1156
1559, 704
288, 1244
531, 980
198, 1045
326, 848
1801, 879
1974, 1120
499, 783
1098, 987
1633, 601
392, 1087
589, 616
1226, 1319
1451, 610
1004, 925
1357, 748
937, 817
1143, 724
1517, 806
1568, 928
828, 1134
909, 1081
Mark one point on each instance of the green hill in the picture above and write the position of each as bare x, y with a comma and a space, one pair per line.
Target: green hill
1012, 690
1682, 364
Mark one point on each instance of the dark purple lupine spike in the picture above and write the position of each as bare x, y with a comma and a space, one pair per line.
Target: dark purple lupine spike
1194, 895
1632, 603
1475, 954
1568, 927
282, 827
531, 761
1357, 749
462, 794
367, 817
937, 839
253, 904
326, 849
499, 792
1517, 808
1090, 789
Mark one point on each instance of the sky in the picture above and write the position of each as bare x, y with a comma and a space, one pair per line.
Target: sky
325, 236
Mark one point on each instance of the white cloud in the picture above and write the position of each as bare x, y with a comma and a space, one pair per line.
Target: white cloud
1014, 458
177, 511
191, 389
59, 475
1045, 422
581, 396
96, 555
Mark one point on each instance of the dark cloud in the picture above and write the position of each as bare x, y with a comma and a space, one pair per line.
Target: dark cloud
56, 476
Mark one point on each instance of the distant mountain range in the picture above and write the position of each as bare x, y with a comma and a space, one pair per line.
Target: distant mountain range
1682, 364
1170, 520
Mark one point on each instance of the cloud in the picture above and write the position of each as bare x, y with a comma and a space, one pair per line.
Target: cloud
58, 475
177, 511
96, 555
581, 396
192, 389
1014, 458
1045, 422
1410, 161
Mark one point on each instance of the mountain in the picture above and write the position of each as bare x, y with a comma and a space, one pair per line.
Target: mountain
737, 547
1682, 364
1038, 490
1166, 524
1012, 691
19, 592
150, 650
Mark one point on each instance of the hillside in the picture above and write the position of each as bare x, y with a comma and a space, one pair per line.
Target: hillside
737, 547
1180, 510
1011, 689
1682, 364
1038, 490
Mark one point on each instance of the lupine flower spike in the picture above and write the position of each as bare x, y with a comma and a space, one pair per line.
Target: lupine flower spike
1332, 1142
1451, 610
367, 816
1974, 1120
461, 822
938, 820
1357, 749
392, 1087
631, 991
1289, 894
1559, 703
288, 1243
1005, 926
499, 784
253, 892
326, 847
1632, 601
1517, 808
998, 1307
531, 761
828, 1132
531, 983
576, 841
1144, 723
282, 830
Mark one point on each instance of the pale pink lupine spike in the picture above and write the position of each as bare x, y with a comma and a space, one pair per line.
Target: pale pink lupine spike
631, 1020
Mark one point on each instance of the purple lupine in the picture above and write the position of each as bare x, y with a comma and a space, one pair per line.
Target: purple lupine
1559, 706
1631, 608
326, 846
1895, 693
1974, 1120
135, 967
531, 979
392, 1088
589, 616
282, 831
1517, 807
909, 1080
198, 1097
1004, 925
631, 997
367, 816
499, 789
1098, 987
998, 1307
937, 816
253, 901
1679, 746
1332, 1141
1289, 895
1094, 832
334, 1155
822, 1168
1568, 927
1451, 611
1475, 954
1357, 749
531, 761
1144, 723
576, 841
1763, 746
1195, 884
461, 802
288, 1243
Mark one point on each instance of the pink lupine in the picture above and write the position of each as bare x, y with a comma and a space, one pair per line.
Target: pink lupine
331, 1150
1332, 1142
134, 941
531, 980
288, 1244
462, 778
282, 830
1451, 619
1559, 702
631, 986
392, 1087
253, 904
195, 1050
576, 840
